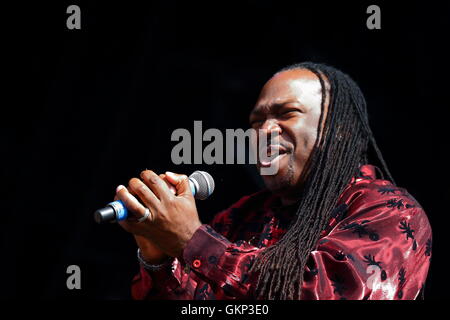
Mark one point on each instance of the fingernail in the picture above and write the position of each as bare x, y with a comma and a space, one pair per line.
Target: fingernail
172, 175
119, 188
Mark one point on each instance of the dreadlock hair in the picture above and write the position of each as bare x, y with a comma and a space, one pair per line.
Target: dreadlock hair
341, 147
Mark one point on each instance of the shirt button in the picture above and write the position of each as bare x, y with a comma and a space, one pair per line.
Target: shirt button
197, 263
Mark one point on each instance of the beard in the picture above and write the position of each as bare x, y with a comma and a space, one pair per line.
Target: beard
284, 181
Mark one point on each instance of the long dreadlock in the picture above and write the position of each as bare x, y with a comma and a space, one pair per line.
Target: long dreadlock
341, 148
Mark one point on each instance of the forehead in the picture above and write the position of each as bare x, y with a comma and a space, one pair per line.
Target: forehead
299, 85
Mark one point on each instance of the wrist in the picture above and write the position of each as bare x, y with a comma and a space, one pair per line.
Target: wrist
153, 265
152, 258
187, 238
192, 230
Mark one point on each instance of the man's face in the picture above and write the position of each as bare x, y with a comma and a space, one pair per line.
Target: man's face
289, 103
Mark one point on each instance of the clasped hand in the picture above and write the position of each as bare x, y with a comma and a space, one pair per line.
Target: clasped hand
173, 215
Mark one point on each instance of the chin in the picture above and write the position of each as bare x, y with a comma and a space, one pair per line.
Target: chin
278, 183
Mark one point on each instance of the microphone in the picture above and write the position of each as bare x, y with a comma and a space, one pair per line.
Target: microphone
201, 183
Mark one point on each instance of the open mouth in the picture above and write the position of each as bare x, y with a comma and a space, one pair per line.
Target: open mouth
274, 153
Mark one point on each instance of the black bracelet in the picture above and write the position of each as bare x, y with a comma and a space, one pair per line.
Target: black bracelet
153, 267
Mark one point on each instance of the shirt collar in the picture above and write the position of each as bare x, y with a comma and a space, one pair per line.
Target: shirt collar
366, 171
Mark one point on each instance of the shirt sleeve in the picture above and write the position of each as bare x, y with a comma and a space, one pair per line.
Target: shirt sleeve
211, 256
155, 285
380, 251
214, 259
221, 263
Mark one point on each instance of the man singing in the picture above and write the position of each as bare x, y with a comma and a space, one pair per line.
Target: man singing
328, 226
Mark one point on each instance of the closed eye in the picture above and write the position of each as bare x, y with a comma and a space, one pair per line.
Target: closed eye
255, 122
289, 112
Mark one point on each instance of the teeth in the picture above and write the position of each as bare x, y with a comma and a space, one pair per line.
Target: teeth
272, 151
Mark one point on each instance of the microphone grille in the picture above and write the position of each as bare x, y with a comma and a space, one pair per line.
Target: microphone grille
205, 184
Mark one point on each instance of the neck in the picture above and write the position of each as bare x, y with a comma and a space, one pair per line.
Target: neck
290, 196
286, 201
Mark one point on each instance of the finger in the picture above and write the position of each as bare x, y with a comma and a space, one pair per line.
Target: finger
171, 187
147, 197
156, 184
181, 183
133, 193
173, 178
130, 202
137, 197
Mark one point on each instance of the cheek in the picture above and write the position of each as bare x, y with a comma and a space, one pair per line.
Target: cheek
305, 141
309, 138
304, 134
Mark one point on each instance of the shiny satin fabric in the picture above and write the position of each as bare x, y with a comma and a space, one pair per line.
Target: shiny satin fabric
377, 246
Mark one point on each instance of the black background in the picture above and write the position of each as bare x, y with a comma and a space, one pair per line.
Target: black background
91, 108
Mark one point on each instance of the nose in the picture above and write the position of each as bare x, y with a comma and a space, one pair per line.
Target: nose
271, 128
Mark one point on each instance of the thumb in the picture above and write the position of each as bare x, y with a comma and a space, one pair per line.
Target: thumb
181, 183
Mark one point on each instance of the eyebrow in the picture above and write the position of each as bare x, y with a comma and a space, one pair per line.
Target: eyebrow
276, 106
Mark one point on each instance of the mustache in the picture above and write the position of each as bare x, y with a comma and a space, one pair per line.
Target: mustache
272, 150
277, 140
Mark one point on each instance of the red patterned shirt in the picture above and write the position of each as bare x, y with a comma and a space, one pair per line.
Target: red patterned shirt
377, 246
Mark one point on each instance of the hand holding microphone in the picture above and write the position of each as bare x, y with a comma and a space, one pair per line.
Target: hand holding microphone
172, 218
201, 183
